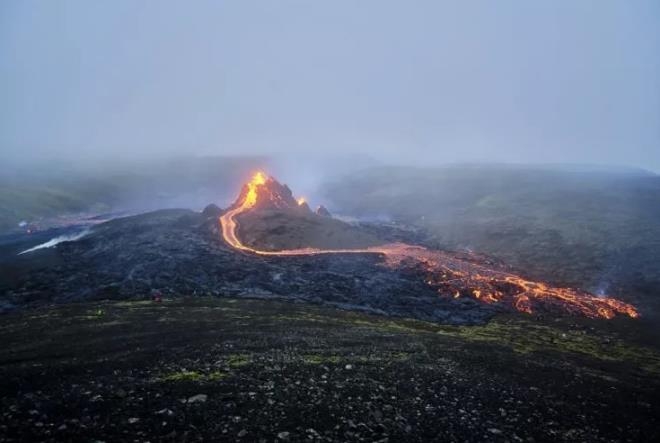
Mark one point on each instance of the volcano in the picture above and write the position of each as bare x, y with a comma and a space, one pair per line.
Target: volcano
266, 219
263, 192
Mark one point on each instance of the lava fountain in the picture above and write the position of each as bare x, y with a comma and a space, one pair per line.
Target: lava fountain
447, 273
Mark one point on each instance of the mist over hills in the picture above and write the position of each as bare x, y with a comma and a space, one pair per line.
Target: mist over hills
32, 191
597, 229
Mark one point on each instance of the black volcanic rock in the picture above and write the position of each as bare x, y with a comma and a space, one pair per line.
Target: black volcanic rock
300, 228
181, 253
323, 211
212, 210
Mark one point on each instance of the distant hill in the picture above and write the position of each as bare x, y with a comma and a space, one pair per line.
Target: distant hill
31, 193
587, 227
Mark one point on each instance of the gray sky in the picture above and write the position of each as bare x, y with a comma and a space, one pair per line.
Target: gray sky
408, 81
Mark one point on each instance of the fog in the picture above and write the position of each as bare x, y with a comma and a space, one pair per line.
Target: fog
417, 83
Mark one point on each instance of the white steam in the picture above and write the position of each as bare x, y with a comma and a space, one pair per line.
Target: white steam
57, 240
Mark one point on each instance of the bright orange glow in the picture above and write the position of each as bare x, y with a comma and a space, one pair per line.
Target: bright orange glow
301, 200
447, 273
257, 180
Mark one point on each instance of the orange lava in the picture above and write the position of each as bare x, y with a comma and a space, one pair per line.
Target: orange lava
448, 274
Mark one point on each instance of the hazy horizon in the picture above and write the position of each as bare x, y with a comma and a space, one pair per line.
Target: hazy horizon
418, 83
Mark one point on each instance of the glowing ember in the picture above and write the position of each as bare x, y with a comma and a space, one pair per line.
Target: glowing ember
448, 274
301, 201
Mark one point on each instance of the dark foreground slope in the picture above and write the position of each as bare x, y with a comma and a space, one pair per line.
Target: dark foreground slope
250, 370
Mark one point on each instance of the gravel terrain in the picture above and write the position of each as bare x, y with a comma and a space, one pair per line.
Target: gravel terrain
254, 370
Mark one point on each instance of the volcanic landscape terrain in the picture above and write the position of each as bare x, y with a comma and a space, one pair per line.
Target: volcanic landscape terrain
178, 325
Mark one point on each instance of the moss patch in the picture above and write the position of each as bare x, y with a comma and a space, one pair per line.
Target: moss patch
193, 376
238, 360
317, 359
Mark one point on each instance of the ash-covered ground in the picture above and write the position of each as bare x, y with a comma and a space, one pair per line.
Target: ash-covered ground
181, 252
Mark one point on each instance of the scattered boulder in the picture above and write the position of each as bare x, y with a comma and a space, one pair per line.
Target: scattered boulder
201, 398
323, 211
212, 211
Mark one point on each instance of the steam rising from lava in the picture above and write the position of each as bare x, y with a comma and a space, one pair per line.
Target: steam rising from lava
448, 274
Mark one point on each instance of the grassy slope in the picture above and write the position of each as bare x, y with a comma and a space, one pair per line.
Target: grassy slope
185, 182
19, 203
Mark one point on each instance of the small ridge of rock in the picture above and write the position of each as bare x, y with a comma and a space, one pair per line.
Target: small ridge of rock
323, 211
212, 211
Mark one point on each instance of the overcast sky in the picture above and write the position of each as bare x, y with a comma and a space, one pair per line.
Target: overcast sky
408, 81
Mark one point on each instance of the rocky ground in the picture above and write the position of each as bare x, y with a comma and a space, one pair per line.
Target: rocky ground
274, 230
180, 252
253, 370
254, 348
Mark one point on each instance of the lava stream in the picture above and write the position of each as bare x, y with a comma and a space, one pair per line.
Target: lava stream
444, 272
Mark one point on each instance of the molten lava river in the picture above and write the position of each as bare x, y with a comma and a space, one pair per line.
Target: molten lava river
450, 275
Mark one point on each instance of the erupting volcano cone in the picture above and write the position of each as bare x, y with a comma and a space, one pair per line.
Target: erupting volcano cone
323, 211
264, 192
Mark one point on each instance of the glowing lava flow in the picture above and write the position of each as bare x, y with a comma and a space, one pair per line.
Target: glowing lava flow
444, 272
230, 227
